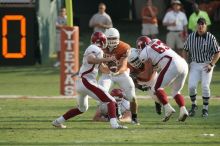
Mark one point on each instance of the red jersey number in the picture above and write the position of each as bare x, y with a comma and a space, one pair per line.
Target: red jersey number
159, 47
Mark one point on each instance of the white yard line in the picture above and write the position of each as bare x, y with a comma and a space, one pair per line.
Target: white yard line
69, 97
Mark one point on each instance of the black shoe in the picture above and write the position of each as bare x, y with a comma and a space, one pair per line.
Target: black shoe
158, 108
135, 121
193, 109
205, 113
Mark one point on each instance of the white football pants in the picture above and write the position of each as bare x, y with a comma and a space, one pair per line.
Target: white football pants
196, 74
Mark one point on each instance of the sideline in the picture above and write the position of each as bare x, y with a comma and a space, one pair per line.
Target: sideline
70, 97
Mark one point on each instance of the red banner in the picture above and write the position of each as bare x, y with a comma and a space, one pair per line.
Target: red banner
69, 59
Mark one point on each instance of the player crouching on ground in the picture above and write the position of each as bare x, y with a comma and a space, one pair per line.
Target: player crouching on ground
172, 69
122, 108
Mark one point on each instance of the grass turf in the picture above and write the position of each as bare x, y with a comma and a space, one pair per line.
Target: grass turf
28, 122
45, 81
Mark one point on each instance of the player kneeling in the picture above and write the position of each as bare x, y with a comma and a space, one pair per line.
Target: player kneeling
122, 108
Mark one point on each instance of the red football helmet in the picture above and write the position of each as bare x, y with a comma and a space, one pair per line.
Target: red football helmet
142, 41
99, 39
117, 93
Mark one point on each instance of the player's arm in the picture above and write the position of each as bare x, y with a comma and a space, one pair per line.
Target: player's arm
104, 68
148, 70
185, 54
92, 59
123, 63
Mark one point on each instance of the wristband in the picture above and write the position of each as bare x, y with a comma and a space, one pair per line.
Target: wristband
211, 64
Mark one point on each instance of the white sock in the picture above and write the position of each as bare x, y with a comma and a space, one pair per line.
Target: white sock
113, 122
205, 107
61, 119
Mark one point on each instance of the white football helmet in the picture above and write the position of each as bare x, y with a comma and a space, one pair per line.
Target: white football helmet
113, 37
133, 59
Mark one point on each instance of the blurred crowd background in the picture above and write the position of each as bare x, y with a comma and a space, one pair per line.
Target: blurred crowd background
125, 15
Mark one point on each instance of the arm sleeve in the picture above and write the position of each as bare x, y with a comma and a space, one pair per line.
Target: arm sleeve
91, 21
190, 25
165, 19
185, 22
143, 55
186, 46
216, 47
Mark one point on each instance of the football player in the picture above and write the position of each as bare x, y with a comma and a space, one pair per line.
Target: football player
122, 111
143, 74
86, 84
173, 70
117, 71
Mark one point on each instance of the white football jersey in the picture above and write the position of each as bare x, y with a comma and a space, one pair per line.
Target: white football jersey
156, 51
90, 70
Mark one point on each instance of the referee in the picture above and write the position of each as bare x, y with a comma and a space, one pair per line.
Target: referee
203, 50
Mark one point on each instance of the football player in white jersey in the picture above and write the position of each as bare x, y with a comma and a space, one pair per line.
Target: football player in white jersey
86, 84
122, 111
173, 70
143, 74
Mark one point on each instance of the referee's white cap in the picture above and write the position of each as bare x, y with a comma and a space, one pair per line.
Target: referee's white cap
176, 2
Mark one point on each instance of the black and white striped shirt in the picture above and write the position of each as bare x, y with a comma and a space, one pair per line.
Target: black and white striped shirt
201, 48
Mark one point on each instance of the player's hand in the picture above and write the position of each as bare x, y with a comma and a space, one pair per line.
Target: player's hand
108, 59
173, 24
208, 68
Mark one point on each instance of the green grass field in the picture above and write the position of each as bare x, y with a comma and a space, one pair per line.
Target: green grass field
45, 81
27, 122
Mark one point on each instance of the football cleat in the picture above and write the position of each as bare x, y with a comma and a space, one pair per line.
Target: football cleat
169, 110
135, 121
158, 108
183, 114
119, 127
205, 113
56, 124
193, 109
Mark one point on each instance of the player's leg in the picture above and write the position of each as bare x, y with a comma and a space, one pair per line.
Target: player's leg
126, 83
194, 78
82, 107
165, 77
99, 93
176, 91
206, 80
82, 100
105, 81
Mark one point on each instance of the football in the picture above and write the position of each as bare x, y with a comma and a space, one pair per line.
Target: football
112, 66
